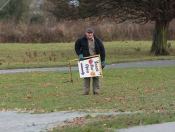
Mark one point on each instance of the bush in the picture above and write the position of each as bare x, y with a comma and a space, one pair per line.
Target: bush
69, 31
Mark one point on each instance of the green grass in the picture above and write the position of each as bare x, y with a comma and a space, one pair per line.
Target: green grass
129, 89
146, 89
57, 54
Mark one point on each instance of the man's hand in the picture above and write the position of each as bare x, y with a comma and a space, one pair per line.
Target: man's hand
102, 64
80, 57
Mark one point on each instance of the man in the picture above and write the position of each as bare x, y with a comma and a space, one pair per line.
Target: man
89, 45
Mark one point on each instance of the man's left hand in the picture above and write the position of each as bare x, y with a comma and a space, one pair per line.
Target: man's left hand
103, 64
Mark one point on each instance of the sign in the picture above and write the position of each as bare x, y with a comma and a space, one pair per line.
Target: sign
90, 67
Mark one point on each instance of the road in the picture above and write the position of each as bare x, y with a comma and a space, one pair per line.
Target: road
118, 65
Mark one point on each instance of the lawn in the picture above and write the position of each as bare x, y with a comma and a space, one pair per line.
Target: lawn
149, 90
127, 89
14, 56
146, 89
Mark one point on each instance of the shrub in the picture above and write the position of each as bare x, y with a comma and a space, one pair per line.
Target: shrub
69, 31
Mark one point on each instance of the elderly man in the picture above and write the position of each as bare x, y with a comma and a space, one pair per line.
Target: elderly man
89, 45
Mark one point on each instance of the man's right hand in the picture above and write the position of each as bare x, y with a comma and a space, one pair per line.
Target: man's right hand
80, 57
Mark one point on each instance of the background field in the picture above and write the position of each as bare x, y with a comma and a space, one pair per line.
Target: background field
57, 54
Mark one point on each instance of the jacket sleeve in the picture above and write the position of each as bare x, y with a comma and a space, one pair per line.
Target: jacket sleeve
78, 47
102, 50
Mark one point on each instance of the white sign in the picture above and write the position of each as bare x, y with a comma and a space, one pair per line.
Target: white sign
90, 67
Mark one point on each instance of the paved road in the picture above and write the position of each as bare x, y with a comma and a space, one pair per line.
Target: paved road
119, 65
11, 121
164, 127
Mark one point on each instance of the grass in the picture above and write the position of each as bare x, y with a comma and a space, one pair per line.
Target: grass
14, 56
113, 123
146, 89
129, 89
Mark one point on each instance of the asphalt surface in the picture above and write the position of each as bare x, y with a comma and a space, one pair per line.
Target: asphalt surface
164, 127
119, 65
11, 121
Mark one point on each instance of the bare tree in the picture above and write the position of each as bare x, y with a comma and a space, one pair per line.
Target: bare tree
14, 10
161, 12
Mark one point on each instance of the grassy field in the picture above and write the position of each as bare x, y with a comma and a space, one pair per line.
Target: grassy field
149, 90
57, 54
129, 89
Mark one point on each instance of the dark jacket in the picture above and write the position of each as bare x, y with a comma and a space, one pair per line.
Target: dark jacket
81, 47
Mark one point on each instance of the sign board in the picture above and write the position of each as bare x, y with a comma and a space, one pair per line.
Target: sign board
90, 67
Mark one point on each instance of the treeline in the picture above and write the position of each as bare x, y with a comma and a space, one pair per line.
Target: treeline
66, 31
24, 22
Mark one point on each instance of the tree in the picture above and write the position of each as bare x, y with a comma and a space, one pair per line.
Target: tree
14, 10
161, 12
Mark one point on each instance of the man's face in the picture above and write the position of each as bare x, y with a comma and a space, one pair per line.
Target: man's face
89, 35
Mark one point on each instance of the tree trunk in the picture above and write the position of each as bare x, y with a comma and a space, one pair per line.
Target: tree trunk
159, 45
